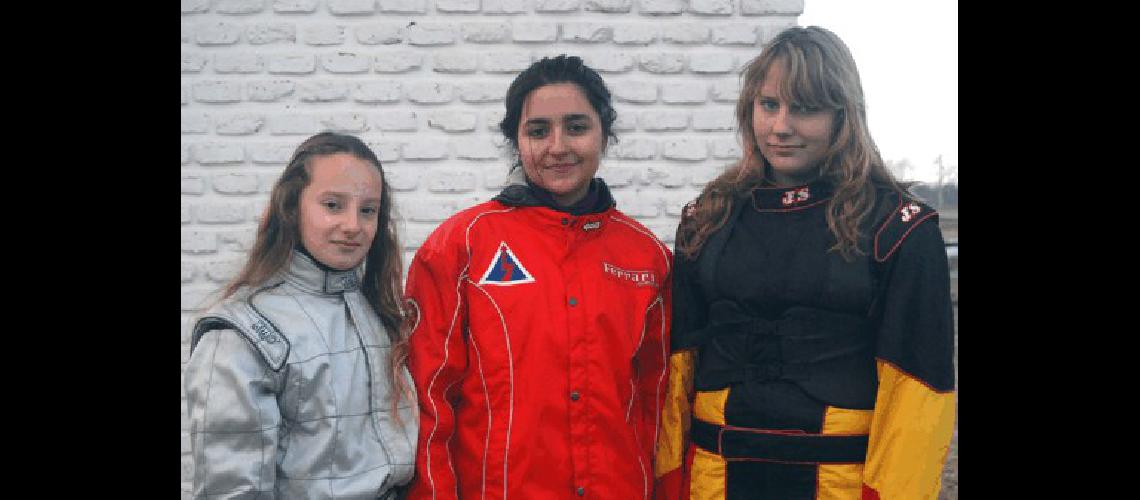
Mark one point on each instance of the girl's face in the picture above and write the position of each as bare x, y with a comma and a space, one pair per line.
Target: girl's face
560, 141
340, 209
792, 137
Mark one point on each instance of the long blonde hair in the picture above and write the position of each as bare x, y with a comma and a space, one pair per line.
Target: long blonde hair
819, 72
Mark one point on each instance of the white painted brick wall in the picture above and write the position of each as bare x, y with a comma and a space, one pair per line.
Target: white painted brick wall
422, 81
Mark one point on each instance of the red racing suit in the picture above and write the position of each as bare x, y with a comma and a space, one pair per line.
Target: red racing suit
539, 354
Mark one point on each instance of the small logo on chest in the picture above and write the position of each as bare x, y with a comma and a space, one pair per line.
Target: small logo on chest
506, 269
639, 278
796, 196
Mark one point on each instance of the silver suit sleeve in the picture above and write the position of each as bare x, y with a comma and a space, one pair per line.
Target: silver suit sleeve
231, 395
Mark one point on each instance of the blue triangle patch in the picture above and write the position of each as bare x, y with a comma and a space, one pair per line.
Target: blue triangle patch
506, 269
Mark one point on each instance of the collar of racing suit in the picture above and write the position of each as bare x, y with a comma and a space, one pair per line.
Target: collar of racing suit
768, 197
520, 192
307, 273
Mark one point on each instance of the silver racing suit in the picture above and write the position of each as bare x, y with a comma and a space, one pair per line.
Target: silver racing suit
288, 395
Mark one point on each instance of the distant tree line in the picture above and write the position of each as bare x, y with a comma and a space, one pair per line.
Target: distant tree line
940, 194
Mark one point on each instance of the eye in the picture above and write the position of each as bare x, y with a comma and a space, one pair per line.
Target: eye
578, 128
331, 205
536, 132
769, 105
369, 211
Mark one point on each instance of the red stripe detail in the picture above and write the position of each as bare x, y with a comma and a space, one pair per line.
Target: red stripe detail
869, 493
890, 220
790, 209
911, 375
822, 424
773, 461
789, 432
904, 235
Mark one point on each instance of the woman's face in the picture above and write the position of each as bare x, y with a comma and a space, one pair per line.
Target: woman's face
560, 141
793, 138
340, 209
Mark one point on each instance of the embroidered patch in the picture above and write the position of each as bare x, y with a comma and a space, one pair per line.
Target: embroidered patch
908, 212
265, 333
341, 282
506, 269
639, 278
795, 196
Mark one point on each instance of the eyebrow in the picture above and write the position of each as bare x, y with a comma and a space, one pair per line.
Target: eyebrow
343, 194
570, 117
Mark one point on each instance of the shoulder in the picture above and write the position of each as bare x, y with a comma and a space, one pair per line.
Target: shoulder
689, 211
641, 236
453, 232
237, 315
898, 215
708, 192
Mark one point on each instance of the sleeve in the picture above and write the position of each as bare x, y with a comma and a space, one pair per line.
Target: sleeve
437, 359
688, 314
231, 397
914, 414
652, 362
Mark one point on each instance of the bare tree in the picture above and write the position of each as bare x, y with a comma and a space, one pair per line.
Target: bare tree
946, 175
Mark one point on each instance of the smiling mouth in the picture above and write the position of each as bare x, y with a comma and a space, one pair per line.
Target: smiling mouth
347, 244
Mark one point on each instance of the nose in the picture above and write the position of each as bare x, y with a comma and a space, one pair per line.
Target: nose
781, 122
350, 222
557, 143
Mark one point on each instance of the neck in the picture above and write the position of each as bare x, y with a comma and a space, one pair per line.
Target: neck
577, 201
324, 267
568, 200
784, 180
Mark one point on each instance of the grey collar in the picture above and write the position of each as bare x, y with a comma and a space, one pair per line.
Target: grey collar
307, 275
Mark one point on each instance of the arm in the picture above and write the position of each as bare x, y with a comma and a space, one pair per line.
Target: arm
231, 395
673, 439
915, 409
688, 314
651, 366
437, 359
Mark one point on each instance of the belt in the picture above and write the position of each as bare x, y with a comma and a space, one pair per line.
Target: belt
770, 445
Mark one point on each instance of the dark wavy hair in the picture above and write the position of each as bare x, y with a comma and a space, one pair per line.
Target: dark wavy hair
279, 233
550, 70
818, 72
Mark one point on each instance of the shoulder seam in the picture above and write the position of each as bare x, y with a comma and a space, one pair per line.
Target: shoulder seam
644, 231
903, 203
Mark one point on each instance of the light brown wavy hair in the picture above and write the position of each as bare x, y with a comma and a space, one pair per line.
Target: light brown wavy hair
819, 72
279, 233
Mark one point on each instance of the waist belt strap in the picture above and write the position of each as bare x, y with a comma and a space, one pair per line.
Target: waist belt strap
745, 443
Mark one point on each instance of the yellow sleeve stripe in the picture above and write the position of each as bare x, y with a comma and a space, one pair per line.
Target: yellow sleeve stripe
910, 436
882, 361
674, 432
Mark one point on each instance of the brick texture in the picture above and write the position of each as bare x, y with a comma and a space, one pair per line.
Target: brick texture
422, 82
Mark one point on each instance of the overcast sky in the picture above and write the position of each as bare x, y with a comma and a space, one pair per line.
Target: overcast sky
907, 53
